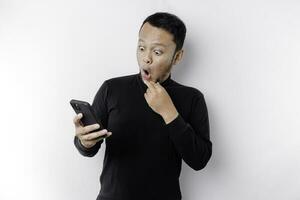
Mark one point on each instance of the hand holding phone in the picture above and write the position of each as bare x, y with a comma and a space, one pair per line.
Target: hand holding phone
88, 128
86, 134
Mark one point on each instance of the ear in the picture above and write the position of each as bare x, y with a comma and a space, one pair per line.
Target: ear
178, 57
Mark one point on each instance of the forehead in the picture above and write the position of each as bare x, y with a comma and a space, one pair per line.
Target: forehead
152, 34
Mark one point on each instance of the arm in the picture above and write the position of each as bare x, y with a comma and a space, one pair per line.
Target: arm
191, 139
100, 106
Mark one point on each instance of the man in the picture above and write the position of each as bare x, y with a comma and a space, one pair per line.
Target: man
152, 122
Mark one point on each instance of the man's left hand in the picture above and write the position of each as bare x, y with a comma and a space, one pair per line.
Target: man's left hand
160, 101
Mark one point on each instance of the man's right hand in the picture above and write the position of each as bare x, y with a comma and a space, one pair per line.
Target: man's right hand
86, 138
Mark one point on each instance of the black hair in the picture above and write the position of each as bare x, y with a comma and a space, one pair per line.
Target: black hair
170, 23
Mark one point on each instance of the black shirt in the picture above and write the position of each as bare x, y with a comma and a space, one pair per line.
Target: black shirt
143, 155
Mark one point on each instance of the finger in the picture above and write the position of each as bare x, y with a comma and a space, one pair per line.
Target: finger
101, 138
108, 134
94, 135
90, 128
153, 84
76, 120
149, 84
148, 91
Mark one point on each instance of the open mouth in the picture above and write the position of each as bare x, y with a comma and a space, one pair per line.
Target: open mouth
146, 74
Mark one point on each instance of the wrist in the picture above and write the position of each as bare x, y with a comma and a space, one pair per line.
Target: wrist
85, 145
169, 117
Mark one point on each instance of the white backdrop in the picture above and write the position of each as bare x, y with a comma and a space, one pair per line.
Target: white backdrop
243, 55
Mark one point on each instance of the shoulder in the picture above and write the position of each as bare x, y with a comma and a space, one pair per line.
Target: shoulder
120, 80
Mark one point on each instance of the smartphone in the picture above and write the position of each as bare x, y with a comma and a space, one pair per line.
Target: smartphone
88, 114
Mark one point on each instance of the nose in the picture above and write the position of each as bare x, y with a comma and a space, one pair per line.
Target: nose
147, 59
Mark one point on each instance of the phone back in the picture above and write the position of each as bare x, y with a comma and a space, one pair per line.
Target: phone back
86, 109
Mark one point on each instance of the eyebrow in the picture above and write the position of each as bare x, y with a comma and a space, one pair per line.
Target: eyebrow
157, 43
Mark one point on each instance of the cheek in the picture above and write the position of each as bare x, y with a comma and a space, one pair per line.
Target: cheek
160, 67
160, 60
138, 57
161, 63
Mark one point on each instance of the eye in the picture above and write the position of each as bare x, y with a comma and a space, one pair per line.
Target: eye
141, 48
157, 52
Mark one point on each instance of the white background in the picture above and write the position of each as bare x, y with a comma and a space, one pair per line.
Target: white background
243, 55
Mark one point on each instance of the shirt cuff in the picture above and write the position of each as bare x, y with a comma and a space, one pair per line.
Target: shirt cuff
81, 147
177, 125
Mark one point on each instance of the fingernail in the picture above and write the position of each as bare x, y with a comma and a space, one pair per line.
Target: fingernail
97, 126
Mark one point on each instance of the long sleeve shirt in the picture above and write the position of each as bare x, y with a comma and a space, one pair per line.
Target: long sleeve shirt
143, 156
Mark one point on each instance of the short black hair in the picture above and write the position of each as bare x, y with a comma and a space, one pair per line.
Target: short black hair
170, 23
